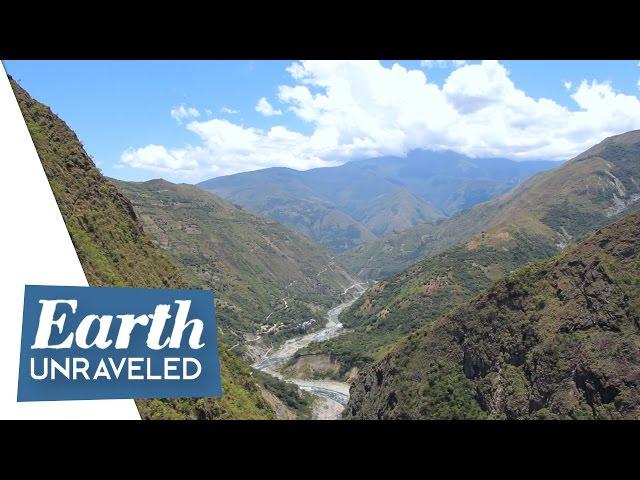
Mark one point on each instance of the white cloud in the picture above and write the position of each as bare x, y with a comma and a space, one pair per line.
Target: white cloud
442, 63
358, 109
567, 85
158, 158
264, 107
227, 148
228, 110
181, 113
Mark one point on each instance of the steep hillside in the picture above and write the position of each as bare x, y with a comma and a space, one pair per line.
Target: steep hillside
397, 211
265, 276
279, 194
404, 302
114, 250
318, 220
560, 204
530, 223
556, 339
349, 205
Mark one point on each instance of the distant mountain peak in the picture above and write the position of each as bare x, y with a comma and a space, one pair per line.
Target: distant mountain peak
344, 206
572, 199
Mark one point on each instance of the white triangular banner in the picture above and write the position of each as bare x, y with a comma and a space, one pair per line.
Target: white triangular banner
35, 248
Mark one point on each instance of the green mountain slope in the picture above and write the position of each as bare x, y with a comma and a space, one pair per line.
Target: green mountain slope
264, 274
318, 220
559, 204
114, 250
529, 223
352, 204
279, 194
555, 339
397, 211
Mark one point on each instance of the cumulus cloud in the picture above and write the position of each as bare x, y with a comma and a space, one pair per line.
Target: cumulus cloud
358, 109
227, 148
228, 110
182, 112
158, 158
264, 107
567, 85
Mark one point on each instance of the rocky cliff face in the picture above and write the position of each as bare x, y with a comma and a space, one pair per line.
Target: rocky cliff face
555, 339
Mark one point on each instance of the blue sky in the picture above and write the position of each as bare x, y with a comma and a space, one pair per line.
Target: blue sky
325, 113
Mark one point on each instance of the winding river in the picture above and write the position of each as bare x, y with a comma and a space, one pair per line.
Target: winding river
332, 395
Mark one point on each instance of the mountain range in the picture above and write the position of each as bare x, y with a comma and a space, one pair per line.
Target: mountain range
534, 221
504, 290
569, 201
360, 201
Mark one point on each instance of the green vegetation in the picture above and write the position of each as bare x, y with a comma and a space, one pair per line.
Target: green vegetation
555, 339
320, 221
263, 273
396, 251
574, 221
297, 400
395, 211
276, 195
114, 250
110, 242
241, 398
405, 302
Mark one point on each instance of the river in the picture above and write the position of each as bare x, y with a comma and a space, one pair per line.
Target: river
332, 395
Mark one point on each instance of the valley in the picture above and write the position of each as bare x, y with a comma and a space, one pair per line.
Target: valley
332, 396
271, 283
432, 286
